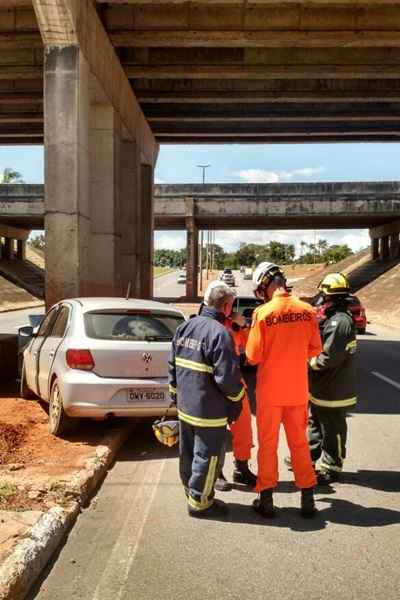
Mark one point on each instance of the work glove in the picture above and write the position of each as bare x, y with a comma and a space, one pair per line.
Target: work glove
234, 410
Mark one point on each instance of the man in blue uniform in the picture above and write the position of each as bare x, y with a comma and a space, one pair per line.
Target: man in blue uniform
205, 382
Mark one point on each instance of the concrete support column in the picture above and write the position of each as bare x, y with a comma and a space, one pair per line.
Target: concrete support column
384, 247
146, 231
394, 245
104, 274
67, 172
192, 254
21, 249
375, 248
8, 244
129, 199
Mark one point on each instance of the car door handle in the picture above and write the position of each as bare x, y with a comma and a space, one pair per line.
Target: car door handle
35, 353
51, 354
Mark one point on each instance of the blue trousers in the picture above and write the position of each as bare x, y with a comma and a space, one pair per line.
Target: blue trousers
199, 462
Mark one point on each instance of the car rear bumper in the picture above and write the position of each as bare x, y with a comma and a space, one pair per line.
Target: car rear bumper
87, 395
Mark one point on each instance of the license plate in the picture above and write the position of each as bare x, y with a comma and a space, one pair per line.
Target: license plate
146, 395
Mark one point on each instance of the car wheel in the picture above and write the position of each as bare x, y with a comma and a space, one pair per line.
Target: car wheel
24, 390
361, 331
59, 422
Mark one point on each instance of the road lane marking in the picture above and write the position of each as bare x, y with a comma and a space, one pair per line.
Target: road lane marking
387, 379
116, 572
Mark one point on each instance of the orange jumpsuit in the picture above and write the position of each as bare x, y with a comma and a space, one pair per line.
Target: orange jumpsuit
242, 436
283, 336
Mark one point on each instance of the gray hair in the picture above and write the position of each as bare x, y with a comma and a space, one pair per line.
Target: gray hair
217, 294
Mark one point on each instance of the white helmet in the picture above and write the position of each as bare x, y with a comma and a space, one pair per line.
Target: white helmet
264, 274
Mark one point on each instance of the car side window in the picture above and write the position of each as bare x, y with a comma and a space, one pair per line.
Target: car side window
61, 323
47, 323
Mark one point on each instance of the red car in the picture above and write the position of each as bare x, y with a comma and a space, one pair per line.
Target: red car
356, 308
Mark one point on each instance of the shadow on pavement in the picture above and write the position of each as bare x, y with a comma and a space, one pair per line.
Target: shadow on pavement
384, 481
341, 512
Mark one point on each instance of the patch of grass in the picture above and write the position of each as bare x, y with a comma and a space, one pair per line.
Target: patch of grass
158, 271
6, 490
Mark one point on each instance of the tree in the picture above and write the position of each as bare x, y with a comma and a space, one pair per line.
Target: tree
10, 176
337, 252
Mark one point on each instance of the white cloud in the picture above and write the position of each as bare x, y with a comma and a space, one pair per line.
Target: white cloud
265, 176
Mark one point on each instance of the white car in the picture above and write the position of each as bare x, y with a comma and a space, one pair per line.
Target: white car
181, 278
99, 357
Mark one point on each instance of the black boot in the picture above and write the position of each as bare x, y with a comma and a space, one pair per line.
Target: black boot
221, 484
242, 473
264, 505
217, 509
327, 477
307, 503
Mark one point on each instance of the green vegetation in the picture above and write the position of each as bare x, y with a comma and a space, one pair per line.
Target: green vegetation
6, 490
158, 271
10, 176
252, 254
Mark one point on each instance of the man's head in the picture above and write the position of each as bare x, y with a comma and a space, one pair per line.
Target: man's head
220, 296
267, 278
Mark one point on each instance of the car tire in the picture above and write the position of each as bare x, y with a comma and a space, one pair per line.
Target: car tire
60, 424
24, 391
361, 331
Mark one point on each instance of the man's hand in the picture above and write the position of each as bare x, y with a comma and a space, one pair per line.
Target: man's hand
234, 410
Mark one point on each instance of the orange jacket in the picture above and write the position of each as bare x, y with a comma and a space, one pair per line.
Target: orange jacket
283, 335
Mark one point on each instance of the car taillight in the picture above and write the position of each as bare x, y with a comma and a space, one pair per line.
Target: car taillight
80, 359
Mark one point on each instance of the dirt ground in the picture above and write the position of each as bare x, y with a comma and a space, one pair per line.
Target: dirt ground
35, 466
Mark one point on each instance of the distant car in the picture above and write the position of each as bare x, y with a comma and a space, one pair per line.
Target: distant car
99, 357
181, 278
242, 269
248, 273
228, 278
356, 308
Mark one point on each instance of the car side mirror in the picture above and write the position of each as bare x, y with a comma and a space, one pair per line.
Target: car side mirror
26, 331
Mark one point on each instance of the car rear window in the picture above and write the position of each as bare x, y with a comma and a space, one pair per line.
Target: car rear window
131, 326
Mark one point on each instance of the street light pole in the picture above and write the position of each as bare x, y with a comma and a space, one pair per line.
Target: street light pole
203, 168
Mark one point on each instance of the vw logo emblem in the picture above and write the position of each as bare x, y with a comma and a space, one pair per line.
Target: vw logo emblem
146, 357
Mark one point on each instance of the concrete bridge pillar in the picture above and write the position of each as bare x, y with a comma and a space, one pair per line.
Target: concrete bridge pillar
192, 241
375, 248
99, 159
67, 173
21, 249
98, 191
8, 248
384, 247
394, 245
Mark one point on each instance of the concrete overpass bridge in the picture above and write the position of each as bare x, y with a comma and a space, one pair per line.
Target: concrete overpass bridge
103, 83
374, 205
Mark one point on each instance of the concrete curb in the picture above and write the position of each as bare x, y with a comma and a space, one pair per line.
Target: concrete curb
22, 568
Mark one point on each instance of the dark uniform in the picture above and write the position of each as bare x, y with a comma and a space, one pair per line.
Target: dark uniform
332, 380
205, 380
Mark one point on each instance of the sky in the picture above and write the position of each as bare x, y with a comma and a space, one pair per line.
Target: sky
252, 163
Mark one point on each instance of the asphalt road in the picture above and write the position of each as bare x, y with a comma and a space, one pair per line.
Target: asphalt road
166, 286
135, 540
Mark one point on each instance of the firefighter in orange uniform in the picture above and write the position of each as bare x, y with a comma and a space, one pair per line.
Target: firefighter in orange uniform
283, 336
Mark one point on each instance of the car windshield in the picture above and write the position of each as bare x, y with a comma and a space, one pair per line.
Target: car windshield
131, 326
